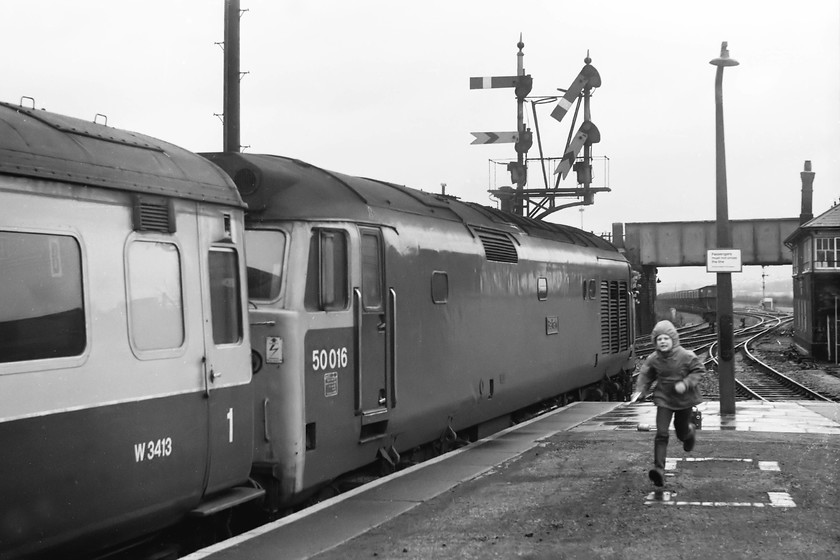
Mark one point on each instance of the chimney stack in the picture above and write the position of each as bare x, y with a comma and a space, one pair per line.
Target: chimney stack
807, 213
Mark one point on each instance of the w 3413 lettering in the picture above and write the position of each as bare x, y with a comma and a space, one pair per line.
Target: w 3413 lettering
155, 449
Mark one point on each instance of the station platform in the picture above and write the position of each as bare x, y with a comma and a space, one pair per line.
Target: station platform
573, 483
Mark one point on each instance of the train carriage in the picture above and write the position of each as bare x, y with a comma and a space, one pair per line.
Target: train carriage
125, 397
418, 317
700, 301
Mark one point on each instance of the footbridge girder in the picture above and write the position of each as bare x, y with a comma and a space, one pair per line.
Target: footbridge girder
650, 245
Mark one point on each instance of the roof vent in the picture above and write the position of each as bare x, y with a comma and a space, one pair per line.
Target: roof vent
153, 214
498, 246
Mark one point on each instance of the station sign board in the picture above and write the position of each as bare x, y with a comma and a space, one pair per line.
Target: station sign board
723, 260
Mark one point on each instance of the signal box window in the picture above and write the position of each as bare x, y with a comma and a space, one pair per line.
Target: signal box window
326, 277
42, 315
156, 308
225, 300
371, 272
828, 250
440, 287
265, 252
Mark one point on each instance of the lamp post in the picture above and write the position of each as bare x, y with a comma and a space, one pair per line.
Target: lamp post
726, 370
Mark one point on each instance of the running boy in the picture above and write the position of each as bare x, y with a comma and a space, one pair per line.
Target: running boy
677, 372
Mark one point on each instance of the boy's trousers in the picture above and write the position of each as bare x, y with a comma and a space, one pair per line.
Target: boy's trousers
682, 425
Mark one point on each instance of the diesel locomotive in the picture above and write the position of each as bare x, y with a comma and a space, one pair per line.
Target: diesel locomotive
180, 335
384, 317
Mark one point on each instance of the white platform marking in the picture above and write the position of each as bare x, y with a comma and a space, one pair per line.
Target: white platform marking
777, 499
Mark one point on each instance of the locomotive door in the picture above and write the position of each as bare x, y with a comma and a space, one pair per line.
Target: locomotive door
226, 349
372, 307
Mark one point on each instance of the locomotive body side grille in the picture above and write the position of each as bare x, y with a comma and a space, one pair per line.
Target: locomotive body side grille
498, 247
615, 333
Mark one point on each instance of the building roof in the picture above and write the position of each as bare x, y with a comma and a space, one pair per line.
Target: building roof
828, 219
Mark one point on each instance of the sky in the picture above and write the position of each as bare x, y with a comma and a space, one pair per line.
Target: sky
380, 88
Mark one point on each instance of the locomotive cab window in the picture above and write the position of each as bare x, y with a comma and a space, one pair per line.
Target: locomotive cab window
371, 271
43, 314
225, 299
155, 304
265, 252
326, 276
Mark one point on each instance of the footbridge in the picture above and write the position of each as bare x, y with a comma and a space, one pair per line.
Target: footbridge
650, 245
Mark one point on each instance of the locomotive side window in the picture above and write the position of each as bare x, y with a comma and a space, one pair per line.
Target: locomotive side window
371, 272
42, 315
542, 288
155, 305
225, 301
440, 287
326, 278
265, 252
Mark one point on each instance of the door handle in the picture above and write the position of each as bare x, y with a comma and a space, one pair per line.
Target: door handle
214, 375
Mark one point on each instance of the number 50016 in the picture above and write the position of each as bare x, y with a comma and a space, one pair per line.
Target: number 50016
329, 359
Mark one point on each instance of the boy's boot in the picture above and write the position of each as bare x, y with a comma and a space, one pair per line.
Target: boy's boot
688, 443
656, 476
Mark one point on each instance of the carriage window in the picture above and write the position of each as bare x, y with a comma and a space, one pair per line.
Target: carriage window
156, 307
326, 277
264, 255
371, 272
225, 300
42, 315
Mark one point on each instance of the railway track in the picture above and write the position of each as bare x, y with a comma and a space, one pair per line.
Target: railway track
756, 379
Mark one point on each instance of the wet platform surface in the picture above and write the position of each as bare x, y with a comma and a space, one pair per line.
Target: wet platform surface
587, 456
806, 417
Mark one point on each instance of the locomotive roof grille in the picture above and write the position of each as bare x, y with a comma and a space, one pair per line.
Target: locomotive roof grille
497, 246
546, 230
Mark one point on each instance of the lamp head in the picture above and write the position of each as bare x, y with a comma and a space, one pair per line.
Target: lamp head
723, 60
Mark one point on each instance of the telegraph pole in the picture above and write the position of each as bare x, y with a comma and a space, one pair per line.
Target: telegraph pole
231, 79
726, 370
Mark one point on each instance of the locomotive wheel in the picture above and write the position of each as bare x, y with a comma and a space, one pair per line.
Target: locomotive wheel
593, 394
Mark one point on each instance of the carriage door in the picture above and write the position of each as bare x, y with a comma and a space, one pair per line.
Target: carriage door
226, 351
375, 332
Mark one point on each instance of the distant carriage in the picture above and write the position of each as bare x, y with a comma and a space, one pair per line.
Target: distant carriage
700, 301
